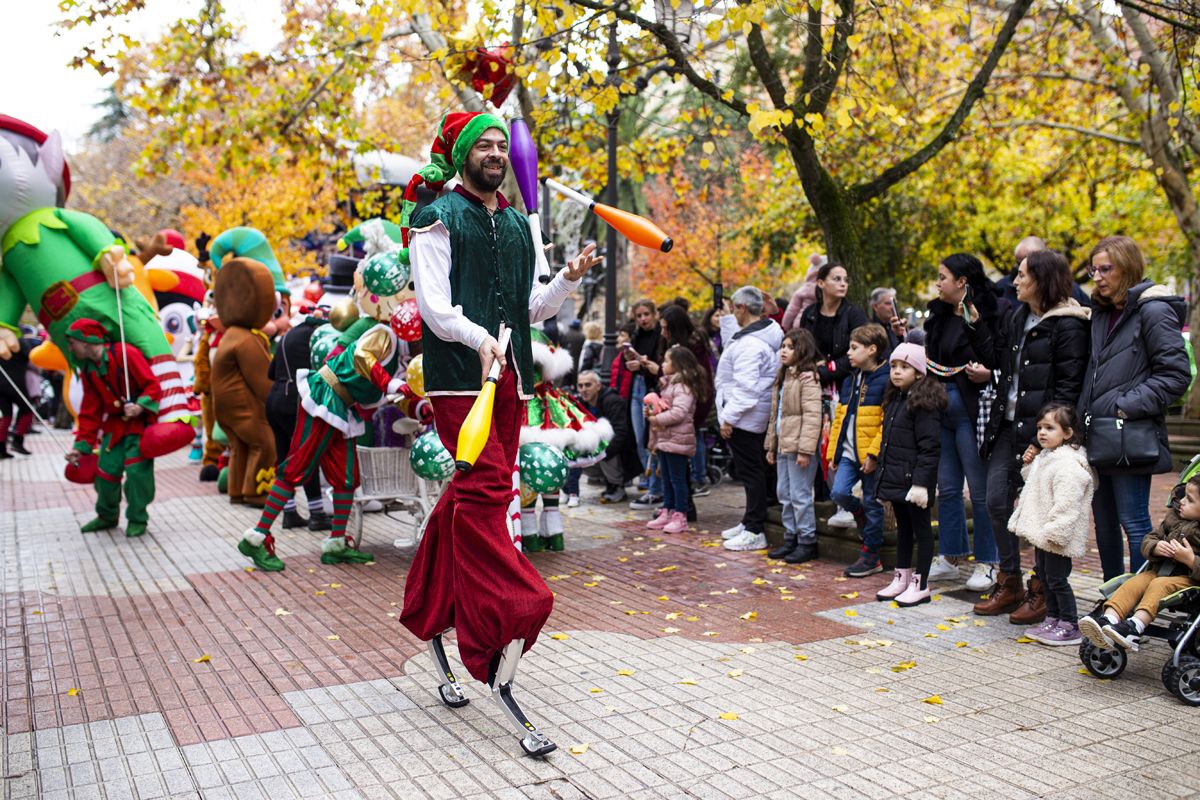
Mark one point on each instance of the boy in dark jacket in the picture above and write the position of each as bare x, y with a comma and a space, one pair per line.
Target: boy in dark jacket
853, 447
1173, 565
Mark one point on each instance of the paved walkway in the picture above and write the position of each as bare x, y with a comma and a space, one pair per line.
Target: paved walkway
163, 667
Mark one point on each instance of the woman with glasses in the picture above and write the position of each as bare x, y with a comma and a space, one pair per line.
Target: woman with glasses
1137, 369
958, 343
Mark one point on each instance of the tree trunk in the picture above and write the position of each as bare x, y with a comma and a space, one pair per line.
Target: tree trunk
837, 216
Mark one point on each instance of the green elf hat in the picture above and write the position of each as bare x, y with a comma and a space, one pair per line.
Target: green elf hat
245, 242
457, 134
87, 330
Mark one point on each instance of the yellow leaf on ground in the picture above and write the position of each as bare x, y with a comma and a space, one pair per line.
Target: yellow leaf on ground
204, 659
709, 633
622, 559
282, 612
746, 650
670, 630
1024, 640
749, 615
663, 597
849, 596
596, 690
625, 672
960, 644
692, 619
734, 673
671, 568
674, 615
248, 569
335, 586
559, 636
931, 636
841, 709
883, 689
590, 584
933, 700
759, 581
72, 692
729, 715
630, 613
319, 592
731, 590
579, 749
979, 623
904, 666
931, 719
941, 626
850, 612
893, 604
800, 657
333, 637
687, 682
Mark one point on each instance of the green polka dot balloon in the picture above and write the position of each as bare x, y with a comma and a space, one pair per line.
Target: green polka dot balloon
543, 467
430, 459
323, 340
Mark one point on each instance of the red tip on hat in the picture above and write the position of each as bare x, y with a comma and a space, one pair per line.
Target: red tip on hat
23, 128
174, 238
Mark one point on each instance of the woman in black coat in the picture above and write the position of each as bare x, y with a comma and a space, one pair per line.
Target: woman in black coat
1041, 354
830, 321
959, 343
1137, 369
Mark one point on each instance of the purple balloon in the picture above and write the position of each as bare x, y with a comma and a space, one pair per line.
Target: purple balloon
522, 152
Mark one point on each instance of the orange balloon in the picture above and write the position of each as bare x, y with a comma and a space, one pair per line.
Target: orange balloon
638, 230
47, 356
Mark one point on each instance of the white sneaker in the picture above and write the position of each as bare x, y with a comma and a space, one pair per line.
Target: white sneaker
572, 501
983, 578
730, 533
747, 540
942, 570
842, 519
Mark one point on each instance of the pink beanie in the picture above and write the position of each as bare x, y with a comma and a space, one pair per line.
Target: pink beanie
911, 354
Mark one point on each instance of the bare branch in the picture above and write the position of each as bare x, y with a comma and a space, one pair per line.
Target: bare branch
1062, 126
949, 132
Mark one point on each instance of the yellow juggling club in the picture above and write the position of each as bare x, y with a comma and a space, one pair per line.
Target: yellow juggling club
473, 434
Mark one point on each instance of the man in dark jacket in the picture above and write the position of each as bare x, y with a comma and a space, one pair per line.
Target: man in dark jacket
883, 311
621, 461
292, 355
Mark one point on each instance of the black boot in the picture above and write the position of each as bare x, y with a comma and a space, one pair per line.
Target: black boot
805, 551
209, 472
318, 521
4, 451
789, 544
18, 446
292, 519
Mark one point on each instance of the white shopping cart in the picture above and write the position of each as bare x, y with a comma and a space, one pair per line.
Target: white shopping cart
387, 476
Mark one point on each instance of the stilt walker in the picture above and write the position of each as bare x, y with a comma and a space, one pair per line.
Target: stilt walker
474, 262
120, 397
334, 399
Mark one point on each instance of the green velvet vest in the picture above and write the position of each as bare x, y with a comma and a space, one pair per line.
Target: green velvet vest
492, 268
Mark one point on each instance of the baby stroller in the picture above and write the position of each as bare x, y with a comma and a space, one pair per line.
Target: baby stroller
1177, 623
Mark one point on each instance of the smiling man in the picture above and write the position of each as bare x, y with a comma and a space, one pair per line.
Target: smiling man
474, 267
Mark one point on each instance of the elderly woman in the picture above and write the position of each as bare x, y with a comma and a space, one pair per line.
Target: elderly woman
1137, 369
745, 377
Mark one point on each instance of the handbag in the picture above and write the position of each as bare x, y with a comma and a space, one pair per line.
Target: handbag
1114, 442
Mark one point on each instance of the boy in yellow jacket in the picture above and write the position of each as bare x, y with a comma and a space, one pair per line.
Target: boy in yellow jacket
854, 444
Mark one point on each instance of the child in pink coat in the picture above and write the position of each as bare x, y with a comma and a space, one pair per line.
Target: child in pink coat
673, 435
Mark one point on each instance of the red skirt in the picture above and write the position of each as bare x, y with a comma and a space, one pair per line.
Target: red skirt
467, 574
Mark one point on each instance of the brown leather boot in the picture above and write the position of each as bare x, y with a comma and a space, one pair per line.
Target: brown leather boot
1033, 607
1005, 598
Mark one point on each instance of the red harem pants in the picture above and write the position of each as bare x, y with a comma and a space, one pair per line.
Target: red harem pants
466, 573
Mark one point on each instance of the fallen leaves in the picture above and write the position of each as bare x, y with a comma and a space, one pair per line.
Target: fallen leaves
72, 692
559, 636
596, 690
850, 612
849, 596
333, 637
671, 568
933, 700
1024, 640
800, 657
904, 666
728, 715
734, 673
282, 612
686, 682
625, 673
579, 749
749, 616
204, 659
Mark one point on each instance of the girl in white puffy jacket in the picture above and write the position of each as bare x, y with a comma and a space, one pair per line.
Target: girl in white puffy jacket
1053, 514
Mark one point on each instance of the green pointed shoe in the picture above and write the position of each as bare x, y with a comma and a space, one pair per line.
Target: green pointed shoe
555, 543
533, 543
263, 558
98, 524
335, 551
135, 529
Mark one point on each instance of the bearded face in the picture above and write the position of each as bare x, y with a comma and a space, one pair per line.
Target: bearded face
487, 161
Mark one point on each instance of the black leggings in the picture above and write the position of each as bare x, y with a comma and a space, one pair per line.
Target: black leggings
1055, 572
913, 522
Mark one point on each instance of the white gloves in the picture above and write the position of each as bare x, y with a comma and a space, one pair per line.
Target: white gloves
918, 496
393, 386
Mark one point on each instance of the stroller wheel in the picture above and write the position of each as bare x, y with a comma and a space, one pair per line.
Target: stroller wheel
1184, 679
1101, 662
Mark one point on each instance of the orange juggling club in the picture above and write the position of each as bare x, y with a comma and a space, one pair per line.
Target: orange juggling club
638, 230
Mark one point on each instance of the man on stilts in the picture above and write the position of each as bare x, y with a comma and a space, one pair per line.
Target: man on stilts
474, 268
120, 397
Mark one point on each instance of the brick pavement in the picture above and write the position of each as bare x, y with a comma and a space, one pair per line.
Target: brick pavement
161, 667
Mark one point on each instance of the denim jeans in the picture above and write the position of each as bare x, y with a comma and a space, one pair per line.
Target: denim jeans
848, 473
1121, 501
572, 484
637, 416
700, 459
654, 484
675, 481
794, 484
960, 458
1003, 480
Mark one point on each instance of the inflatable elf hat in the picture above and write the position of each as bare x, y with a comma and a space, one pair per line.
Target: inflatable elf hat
244, 242
88, 331
456, 135
381, 285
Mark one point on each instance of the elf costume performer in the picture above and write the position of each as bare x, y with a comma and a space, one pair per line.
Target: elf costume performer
557, 419
334, 400
473, 265
120, 395
66, 266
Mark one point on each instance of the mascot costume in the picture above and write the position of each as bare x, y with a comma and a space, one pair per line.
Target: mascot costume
68, 266
244, 294
119, 392
334, 399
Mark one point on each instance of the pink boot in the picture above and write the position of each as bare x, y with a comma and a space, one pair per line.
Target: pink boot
677, 524
659, 522
900, 580
914, 595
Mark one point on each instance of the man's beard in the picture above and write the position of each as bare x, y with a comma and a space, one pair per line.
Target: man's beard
481, 179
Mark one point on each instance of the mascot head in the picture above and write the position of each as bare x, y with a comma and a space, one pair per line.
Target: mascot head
33, 170
244, 294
